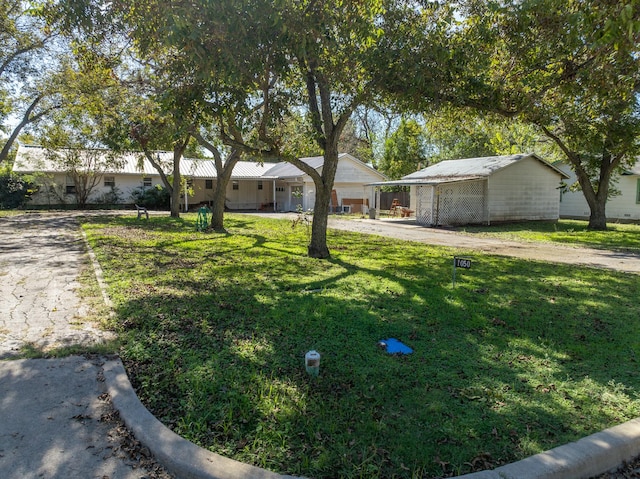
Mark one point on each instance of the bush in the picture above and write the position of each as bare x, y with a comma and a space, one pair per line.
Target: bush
156, 197
15, 189
112, 197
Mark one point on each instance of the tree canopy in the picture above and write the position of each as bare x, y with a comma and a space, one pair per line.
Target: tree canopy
571, 69
251, 78
459, 133
28, 69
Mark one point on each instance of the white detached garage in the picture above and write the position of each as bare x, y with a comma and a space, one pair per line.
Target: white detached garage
484, 190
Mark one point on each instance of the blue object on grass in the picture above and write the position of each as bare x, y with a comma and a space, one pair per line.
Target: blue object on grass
393, 346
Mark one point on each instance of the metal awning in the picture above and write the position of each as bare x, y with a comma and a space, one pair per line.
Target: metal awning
434, 181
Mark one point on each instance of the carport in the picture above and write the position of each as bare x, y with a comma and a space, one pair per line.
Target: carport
445, 201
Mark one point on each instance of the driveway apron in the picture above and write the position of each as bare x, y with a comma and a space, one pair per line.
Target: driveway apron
40, 258
56, 420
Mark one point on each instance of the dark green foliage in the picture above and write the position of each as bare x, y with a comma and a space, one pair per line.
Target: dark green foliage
156, 197
15, 189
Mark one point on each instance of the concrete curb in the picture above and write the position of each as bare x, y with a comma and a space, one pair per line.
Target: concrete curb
590, 456
180, 457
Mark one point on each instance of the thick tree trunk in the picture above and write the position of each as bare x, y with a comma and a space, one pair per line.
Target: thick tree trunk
597, 201
175, 195
176, 187
328, 134
217, 208
597, 196
220, 192
219, 197
598, 217
318, 246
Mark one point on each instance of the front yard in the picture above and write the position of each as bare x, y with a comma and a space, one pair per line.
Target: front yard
519, 357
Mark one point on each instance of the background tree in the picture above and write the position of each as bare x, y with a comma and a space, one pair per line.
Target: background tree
405, 150
75, 134
84, 166
355, 140
15, 189
215, 63
569, 68
157, 127
71, 146
458, 133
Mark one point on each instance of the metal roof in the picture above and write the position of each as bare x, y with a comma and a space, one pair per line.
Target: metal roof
427, 181
34, 158
481, 167
205, 168
468, 169
287, 170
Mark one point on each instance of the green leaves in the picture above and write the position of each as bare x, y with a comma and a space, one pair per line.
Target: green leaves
405, 150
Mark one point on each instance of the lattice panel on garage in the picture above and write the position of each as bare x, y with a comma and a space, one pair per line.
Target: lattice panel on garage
461, 203
424, 205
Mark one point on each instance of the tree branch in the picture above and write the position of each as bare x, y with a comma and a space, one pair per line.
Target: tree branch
26, 119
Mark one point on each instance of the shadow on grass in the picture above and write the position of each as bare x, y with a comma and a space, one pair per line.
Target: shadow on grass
518, 358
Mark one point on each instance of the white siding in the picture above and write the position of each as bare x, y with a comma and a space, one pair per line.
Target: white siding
350, 171
525, 190
248, 196
200, 193
625, 206
125, 184
351, 176
309, 195
622, 207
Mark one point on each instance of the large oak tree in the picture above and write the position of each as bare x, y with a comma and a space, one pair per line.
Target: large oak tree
570, 68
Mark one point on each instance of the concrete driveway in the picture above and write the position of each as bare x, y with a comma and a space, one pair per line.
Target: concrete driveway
56, 419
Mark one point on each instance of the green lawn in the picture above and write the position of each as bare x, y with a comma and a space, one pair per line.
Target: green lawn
617, 237
519, 357
7, 213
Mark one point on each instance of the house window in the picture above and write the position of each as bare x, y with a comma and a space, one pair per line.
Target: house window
236, 185
280, 189
110, 181
259, 185
208, 184
70, 186
146, 182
